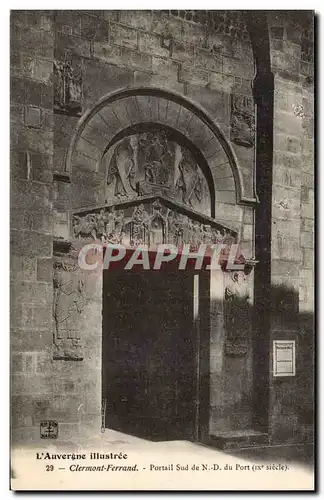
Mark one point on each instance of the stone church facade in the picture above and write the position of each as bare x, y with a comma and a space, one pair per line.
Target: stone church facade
147, 127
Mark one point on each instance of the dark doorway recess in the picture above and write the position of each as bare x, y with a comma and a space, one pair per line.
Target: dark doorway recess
152, 364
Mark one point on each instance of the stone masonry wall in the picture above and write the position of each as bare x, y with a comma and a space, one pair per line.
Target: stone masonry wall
32, 46
291, 398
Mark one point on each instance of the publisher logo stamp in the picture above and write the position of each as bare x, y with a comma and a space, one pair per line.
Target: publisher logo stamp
49, 429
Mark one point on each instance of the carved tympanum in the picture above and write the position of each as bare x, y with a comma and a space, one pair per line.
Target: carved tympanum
242, 120
151, 163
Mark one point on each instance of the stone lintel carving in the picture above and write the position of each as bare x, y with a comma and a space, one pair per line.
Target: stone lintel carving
68, 86
242, 120
68, 305
150, 221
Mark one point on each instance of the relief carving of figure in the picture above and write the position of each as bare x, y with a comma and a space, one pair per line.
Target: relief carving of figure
176, 224
84, 227
115, 226
68, 304
242, 120
139, 225
156, 157
121, 170
68, 85
189, 183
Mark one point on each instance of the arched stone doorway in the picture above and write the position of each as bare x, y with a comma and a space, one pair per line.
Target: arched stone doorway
162, 170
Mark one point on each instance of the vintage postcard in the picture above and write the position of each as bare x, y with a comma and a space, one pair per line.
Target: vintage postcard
162, 247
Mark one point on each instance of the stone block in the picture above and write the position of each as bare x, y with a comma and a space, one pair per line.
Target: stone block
42, 316
165, 67
286, 228
216, 103
221, 82
107, 52
47, 96
17, 90
42, 222
32, 117
94, 28
228, 212
136, 60
306, 239
47, 120
75, 45
36, 197
287, 160
66, 408
195, 34
136, 18
17, 115
286, 203
182, 52
45, 270
285, 247
123, 35
293, 145
68, 21
42, 70
156, 80
307, 210
226, 184
208, 60
284, 268
284, 176
287, 123
307, 225
235, 67
39, 140
152, 44
100, 78
31, 244
166, 25
88, 149
22, 268
18, 165
307, 258
30, 40
193, 75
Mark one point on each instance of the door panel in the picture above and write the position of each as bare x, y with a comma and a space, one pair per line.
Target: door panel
149, 362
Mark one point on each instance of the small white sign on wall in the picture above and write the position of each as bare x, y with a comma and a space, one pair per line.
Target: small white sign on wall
284, 358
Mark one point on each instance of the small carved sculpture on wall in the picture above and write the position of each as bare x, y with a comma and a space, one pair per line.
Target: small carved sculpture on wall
68, 86
242, 120
68, 304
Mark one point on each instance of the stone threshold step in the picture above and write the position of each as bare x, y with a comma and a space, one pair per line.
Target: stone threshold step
237, 439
